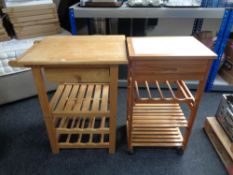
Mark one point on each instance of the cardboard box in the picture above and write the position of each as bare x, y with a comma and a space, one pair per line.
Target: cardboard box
229, 50
224, 114
226, 71
206, 37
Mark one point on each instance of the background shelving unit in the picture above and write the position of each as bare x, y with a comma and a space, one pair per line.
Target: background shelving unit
214, 82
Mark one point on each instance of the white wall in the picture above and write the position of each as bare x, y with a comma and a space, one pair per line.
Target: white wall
181, 27
174, 27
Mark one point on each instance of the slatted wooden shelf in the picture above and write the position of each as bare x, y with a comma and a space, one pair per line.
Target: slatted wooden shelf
157, 125
85, 99
178, 92
158, 115
161, 137
82, 132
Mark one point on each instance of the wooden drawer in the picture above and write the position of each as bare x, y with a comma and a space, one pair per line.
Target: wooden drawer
72, 75
170, 69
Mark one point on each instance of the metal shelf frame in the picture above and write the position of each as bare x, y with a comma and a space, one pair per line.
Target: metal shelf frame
128, 12
186, 13
223, 35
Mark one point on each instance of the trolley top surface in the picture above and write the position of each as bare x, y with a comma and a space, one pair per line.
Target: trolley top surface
184, 47
76, 50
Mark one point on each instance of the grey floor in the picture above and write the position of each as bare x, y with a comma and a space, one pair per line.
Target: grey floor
24, 147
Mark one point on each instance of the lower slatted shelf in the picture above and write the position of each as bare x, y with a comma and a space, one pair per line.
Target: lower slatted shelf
157, 125
82, 132
158, 115
161, 137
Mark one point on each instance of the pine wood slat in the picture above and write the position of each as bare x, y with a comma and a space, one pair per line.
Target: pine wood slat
158, 137
157, 140
56, 96
170, 89
96, 101
83, 145
72, 125
62, 103
165, 125
159, 118
84, 131
158, 132
159, 129
88, 98
73, 94
95, 107
183, 92
187, 89
159, 89
104, 107
149, 144
157, 105
137, 89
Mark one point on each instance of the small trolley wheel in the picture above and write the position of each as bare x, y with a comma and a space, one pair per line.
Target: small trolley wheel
180, 150
130, 151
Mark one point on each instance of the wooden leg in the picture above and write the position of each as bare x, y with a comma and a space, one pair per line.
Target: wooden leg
130, 102
192, 115
129, 113
194, 109
113, 107
44, 103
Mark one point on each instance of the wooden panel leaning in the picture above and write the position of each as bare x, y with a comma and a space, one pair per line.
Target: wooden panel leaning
220, 141
154, 115
82, 111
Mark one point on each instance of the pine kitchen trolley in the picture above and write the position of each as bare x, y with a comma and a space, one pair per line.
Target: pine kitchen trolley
82, 112
154, 116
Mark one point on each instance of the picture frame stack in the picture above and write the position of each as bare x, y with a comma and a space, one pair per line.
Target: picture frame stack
34, 20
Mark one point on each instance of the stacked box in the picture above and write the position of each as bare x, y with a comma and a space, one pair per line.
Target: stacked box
224, 114
226, 70
229, 50
3, 34
206, 37
34, 20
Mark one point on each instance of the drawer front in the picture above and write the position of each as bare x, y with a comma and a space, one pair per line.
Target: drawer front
170, 69
72, 75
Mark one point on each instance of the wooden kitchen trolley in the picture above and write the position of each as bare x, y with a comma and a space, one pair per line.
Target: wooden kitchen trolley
82, 112
155, 116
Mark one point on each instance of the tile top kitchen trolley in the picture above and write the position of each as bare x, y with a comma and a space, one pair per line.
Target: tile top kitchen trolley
154, 116
82, 112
